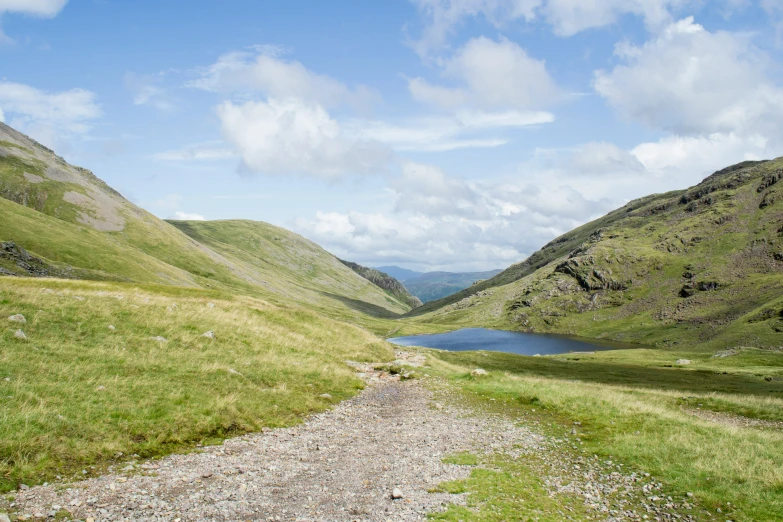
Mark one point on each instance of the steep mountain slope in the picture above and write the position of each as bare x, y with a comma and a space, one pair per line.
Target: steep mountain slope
75, 225
703, 265
431, 286
386, 282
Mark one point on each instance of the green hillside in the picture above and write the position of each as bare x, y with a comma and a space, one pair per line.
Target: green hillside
386, 282
79, 227
700, 266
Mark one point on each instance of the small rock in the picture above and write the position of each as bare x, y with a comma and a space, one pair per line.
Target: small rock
100, 388
478, 372
210, 305
19, 334
23, 487
78, 298
396, 494
684, 361
209, 335
325, 396
112, 327
18, 318
4, 518
160, 339
206, 475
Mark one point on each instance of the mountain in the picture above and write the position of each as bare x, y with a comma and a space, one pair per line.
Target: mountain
702, 265
61, 220
431, 286
399, 273
386, 282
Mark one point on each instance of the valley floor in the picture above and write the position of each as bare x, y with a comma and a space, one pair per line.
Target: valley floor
448, 457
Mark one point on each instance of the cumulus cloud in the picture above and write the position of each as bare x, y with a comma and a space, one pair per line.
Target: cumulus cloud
50, 117
266, 72
569, 17
292, 136
41, 8
441, 17
691, 81
490, 74
443, 222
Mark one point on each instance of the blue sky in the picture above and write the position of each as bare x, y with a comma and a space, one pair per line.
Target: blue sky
432, 134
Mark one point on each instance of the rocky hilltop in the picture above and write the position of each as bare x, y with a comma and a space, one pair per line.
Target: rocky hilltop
699, 265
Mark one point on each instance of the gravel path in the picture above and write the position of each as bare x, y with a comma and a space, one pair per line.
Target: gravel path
343, 465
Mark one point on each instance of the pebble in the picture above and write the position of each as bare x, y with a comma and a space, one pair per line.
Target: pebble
18, 318
396, 494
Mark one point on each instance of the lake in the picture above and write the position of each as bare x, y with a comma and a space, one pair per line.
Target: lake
503, 341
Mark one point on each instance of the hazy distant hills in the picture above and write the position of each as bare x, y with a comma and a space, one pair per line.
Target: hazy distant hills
429, 286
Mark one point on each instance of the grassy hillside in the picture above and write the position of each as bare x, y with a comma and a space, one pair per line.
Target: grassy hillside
78, 227
110, 368
386, 282
432, 286
702, 266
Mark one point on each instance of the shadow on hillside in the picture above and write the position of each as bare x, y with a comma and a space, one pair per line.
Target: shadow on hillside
361, 306
699, 381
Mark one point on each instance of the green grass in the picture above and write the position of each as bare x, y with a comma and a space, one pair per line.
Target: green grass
641, 425
79, 393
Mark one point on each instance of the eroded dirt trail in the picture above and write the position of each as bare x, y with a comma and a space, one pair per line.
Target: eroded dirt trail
340, 465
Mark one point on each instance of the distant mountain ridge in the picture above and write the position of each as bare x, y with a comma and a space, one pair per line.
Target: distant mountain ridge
430, 286
386, 282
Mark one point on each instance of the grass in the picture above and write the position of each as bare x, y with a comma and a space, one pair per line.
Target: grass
76, 393
642, 425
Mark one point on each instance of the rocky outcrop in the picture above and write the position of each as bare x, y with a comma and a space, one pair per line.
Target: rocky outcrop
28, 264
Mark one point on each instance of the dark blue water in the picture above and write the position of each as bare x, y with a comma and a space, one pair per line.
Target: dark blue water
502, 341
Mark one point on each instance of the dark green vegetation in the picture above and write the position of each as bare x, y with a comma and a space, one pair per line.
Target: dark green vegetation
386, 282
437, 285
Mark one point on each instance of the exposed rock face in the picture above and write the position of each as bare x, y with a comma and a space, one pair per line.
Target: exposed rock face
28, 265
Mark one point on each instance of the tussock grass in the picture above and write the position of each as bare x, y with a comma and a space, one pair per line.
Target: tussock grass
77, 393
738, 470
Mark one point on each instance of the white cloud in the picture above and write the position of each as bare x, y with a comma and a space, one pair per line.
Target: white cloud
291, 136
690, 81
443, 16
490, 74
466, 129
267, 73
569, 17
443, 222
52, 118
186, 216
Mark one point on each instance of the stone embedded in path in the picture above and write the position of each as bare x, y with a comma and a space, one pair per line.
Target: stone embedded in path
18, 318
19, 334
4, 518
478, 372
396, 493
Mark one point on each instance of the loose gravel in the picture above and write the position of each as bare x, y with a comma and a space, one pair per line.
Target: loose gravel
374, 457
